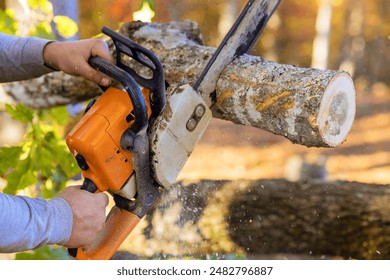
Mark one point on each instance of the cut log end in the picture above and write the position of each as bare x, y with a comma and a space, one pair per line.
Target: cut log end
337, 110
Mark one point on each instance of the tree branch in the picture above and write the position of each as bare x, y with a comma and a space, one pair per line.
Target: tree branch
310, 107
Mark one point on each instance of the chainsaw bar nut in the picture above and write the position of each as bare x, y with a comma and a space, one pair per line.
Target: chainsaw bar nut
196, 116
191, 124
199, 111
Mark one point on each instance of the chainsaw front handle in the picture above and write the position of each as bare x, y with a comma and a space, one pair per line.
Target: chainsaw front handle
156, 82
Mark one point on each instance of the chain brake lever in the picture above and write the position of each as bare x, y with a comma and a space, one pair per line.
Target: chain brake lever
156, 83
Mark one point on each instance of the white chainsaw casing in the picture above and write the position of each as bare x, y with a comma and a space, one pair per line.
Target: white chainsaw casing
176, 131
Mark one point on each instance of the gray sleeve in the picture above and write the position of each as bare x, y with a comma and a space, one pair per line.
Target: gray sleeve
21, 58
27, 223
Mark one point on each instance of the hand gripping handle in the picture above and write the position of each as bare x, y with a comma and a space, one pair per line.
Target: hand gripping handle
119, 224
123, 218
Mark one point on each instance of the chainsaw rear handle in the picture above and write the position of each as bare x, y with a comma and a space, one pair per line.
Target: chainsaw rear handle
119, 224
156, 83
131, 87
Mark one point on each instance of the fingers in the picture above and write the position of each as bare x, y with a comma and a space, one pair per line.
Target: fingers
72, 58
92, 74
89, 214
100, 49
93, 48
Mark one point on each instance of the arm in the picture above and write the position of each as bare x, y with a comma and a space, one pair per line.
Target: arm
27, 58
21, 58
27, 223
72, 219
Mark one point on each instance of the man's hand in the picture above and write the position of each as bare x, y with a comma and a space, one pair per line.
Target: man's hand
72, 58
89, 215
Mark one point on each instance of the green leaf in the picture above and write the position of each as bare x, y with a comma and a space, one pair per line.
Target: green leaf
59, 115
65, 26
151, 3
20, 112
43, 160
8, 23
21, 177
42, 30
68, 163
9, 158
43, 5
44, 253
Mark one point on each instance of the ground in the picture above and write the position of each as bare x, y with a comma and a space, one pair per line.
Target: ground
229, 151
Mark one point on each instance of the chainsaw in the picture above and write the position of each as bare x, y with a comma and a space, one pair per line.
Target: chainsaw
135, 138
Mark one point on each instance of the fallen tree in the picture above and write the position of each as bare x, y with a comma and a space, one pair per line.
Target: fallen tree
310, 107
266, 218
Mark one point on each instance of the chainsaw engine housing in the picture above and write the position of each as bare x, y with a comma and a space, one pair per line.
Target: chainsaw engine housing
95, 142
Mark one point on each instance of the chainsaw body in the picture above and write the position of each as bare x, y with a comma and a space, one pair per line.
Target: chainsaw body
111, 144
95, 142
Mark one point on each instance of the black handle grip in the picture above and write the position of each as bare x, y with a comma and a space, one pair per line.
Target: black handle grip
156, 84
131, 87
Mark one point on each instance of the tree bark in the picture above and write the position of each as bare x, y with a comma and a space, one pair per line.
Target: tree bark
317, 219
310, 107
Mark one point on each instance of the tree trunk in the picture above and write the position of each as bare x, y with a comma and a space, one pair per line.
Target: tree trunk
310, 107
266, 217
354, 33
228, 15
322, 39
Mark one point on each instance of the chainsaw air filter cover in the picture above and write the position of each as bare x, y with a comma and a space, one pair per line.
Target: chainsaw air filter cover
95, 141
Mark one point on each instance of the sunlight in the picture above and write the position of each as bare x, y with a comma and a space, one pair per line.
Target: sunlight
145, 14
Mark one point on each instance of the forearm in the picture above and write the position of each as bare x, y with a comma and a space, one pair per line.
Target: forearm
21, 58
27, 223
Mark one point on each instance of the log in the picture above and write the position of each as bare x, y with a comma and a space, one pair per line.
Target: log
259, 218
311, 107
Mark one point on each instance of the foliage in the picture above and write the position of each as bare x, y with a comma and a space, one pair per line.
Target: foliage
44, 253
151, 4
8, 24
42, 160
41, 17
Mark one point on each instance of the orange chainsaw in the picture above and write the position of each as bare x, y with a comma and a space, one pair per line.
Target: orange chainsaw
111, 145
133, 142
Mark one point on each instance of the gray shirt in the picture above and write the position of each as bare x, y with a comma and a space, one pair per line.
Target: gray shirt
27, 223
21, 58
